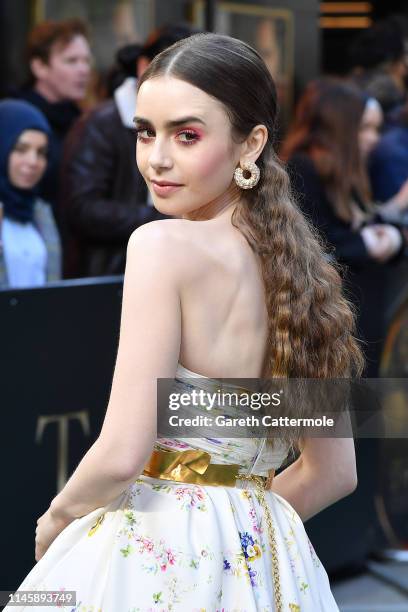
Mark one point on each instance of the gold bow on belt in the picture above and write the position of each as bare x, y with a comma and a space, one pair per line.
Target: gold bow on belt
190, 466
194, 467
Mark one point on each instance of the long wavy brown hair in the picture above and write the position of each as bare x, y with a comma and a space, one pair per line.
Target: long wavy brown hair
311, 323
326, 127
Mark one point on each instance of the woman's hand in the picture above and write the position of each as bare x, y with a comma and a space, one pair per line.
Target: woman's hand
48, 528
381, 240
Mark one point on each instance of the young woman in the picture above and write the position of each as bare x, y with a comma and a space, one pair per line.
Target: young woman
326, 150
236, 285
30, 251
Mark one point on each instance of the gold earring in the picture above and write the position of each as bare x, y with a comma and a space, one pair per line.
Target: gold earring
247, 183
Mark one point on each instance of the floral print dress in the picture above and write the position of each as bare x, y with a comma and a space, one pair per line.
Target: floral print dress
166, 546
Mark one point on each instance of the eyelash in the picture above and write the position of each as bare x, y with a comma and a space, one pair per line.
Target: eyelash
141, 129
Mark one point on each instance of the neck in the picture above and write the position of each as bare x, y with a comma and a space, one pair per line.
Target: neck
46, 92
220, 207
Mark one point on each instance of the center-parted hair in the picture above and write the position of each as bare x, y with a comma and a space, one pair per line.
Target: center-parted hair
311, 324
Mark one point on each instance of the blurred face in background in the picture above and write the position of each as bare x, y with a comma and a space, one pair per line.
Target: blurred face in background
28, 159
67, 73
371, 122
185, 149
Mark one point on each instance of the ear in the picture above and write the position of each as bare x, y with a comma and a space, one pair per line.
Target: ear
38, 68
141, 65
253, 145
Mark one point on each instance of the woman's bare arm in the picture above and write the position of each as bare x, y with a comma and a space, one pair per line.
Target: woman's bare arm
324, 473
149, 347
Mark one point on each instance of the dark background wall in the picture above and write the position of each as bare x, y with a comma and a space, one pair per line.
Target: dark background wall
15, 19
335, 42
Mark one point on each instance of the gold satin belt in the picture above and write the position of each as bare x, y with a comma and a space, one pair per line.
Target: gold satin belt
195, 467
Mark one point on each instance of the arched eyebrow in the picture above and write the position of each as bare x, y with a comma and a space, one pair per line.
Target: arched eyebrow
170, 124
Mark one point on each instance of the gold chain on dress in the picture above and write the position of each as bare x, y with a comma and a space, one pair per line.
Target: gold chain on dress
271, 536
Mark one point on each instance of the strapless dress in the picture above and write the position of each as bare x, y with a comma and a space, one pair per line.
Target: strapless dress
167, 546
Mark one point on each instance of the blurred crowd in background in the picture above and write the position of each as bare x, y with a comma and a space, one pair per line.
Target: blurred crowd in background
71, 193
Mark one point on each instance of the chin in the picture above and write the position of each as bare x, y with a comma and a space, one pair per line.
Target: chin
165, 208
171, 207
27, 185
75, 96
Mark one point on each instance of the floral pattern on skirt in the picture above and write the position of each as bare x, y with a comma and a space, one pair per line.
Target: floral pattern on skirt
171, 547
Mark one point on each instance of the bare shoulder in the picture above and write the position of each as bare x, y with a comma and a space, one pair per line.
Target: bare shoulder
156, 231
171, 243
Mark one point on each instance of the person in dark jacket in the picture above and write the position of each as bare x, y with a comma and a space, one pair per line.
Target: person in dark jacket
105, 196
388, 164
325, 159
59, 58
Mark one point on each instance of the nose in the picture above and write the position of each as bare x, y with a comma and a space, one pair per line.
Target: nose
85, 66
159, 157
32, 158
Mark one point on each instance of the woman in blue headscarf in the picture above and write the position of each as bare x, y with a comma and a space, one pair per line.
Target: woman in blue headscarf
30, 249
